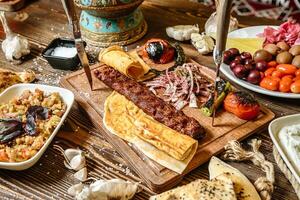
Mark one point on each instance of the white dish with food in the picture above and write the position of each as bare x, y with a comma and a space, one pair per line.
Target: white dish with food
251, 32
48, 94
225, 69
285, 134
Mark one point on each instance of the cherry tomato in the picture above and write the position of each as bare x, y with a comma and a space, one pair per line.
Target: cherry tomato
277, 74
295, 87
286, 68
269, 83
269, 71
296, 78
272, 64
297, 73
287, 77
285, 84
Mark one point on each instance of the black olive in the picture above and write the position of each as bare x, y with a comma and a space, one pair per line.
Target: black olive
155, 50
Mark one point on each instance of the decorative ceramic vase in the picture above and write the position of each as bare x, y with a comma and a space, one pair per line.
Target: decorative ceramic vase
108, 22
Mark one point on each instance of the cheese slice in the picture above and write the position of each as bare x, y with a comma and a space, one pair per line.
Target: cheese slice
245, 44
166, 146
243, 188
201, 190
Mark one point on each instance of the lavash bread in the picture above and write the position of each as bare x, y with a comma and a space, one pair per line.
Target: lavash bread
120, 60
243, 188
216, 189
166, 146
9, 78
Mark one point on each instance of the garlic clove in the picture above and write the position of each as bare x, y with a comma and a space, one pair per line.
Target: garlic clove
77, 162
115, 188
75, 189
182, 32
86, 194
203, 43
81, 175
70, 153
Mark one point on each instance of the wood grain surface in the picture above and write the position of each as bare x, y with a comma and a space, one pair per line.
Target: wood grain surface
49, 179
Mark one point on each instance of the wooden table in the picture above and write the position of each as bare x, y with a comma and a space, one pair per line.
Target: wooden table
49, 179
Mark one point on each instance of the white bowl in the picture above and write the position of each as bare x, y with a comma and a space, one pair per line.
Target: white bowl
17, 90
274, 127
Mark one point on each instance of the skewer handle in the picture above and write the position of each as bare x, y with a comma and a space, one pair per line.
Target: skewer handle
223, 20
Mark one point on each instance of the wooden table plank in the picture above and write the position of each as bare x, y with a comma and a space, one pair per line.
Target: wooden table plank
49, 179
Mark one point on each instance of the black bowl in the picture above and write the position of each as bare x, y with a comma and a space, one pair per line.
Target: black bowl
61, 62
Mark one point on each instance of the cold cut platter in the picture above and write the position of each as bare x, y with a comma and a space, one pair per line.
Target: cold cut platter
159, 120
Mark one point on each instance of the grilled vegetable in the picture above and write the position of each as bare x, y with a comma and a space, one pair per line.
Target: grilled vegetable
180, 59
242, 104
159, 51
223, 87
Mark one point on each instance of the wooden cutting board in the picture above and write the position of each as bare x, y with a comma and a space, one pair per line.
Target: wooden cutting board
158, 178
11, 5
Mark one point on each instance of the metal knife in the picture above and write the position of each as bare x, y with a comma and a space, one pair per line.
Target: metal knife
223, 20
69, 8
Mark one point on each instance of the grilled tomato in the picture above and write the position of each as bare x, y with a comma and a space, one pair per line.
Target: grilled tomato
242, 104
158, 50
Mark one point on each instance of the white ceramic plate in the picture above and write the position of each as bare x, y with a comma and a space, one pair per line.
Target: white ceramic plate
17, 90
225, 69
251, 32
274, 128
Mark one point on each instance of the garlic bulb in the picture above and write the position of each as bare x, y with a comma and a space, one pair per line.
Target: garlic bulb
14, 46
104, 190
211, 24
182, 32
203, 43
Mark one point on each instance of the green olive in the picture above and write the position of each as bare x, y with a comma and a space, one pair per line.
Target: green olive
262, 55
283, 46
295, 50
284, 58
272, 48
296, 61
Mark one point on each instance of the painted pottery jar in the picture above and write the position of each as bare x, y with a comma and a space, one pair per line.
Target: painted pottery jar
107, 22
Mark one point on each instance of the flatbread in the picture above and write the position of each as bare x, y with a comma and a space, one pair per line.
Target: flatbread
217, 189
9, 78
243, 188
120, 60
166, 146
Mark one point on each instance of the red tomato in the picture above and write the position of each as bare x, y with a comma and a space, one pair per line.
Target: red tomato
297, 73
287, 77
272, 64
286, 68
295, 87
269, 71
296, 78
277, 74
269, 83
285, 84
